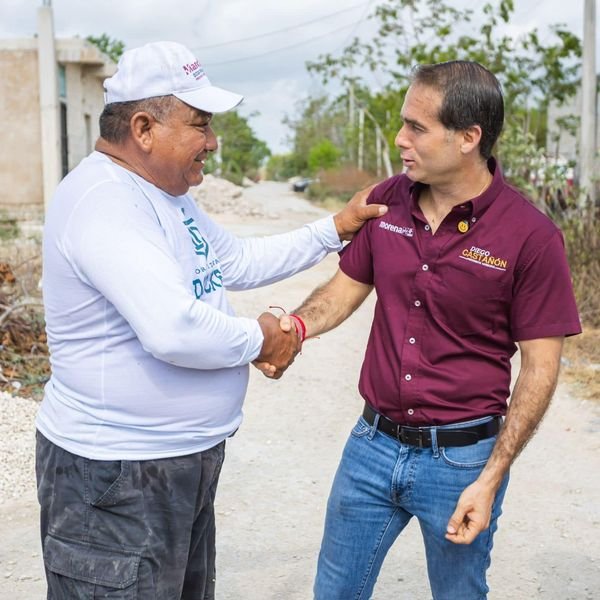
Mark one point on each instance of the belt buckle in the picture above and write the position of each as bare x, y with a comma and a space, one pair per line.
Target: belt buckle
407, 435
398, 434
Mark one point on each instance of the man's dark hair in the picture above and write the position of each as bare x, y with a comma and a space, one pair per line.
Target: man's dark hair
471, 96
114, 120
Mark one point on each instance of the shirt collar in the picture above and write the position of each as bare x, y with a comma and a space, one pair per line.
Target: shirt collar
479, 204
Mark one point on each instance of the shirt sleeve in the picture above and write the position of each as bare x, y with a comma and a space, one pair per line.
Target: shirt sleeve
254, 262
543, 300
356, 259
116, 246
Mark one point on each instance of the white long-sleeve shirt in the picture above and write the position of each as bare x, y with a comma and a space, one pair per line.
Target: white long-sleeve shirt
148, 359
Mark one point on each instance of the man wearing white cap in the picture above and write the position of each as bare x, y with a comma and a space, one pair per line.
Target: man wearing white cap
149, 363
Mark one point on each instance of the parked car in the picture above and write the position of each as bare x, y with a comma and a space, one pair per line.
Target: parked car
301, 184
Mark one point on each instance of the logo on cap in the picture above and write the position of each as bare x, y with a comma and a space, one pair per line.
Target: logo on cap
195, 69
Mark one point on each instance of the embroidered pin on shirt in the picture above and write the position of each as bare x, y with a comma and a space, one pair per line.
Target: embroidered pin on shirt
463, 226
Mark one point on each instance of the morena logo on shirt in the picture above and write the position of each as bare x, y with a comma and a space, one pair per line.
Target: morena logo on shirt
405, 231
483, 257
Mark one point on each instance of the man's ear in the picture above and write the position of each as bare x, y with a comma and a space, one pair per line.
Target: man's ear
142, 126
471, 139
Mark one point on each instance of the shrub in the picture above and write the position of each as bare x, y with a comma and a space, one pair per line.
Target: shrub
9, 228
581, 230
340, 183
323, 156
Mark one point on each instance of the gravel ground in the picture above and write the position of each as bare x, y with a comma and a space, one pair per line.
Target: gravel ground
280, 464
17, 440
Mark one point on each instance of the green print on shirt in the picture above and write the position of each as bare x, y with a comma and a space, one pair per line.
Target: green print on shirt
211, 280
209, 283
200, 244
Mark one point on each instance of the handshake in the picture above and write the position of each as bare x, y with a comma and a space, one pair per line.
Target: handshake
283, 339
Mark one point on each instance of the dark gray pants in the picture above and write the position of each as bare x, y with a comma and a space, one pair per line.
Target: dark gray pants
134, 530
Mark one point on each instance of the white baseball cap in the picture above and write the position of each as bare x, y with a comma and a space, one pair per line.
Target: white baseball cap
164, 69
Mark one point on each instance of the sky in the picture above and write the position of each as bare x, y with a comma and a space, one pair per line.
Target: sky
258, 48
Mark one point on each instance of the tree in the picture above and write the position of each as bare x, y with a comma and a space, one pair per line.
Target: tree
318, 119
112, 48
242, 153
323, 155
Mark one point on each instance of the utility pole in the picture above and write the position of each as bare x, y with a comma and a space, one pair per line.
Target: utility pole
587, 150
351, 105
49, 105
378, 145
219, 157
351, 116
383, 149
361, 138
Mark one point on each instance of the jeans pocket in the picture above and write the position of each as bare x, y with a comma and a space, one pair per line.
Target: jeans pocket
468, 457
361, 428
86, 571
107, 481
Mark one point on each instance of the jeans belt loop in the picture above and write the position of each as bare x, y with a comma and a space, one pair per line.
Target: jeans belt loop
434, 442
374, 427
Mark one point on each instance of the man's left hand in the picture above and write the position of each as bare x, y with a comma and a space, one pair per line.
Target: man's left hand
353, 216
472, 514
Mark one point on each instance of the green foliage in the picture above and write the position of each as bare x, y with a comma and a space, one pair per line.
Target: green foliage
581, 231
424, 32
316, 120
112, 48
9, 228
281, 167
242, 153
521, 156
323, 155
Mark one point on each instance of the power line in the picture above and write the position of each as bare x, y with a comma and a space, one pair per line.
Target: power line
302, 43
349, 36
298, 26
525, 10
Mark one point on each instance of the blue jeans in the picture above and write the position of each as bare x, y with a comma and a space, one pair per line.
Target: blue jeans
380, 484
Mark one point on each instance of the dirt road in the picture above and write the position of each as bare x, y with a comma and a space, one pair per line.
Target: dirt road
280, 465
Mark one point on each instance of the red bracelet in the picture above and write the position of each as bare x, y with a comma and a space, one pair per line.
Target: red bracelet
300, 326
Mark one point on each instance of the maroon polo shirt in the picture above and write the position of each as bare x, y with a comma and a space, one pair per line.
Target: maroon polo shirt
451, 306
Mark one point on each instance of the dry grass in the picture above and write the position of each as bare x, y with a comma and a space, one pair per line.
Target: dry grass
581, 230
340, 183
581, 363
24, 365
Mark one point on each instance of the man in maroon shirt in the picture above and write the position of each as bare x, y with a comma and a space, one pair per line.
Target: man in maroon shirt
464, 267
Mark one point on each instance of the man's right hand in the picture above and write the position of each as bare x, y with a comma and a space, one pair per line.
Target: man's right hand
279, 347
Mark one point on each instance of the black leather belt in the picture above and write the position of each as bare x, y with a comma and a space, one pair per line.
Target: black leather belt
421, 436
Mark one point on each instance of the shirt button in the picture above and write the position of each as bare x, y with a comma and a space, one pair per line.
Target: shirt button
425, 267
426, 228
408, 377
473, 219
410, 411
411, 340
417, 303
